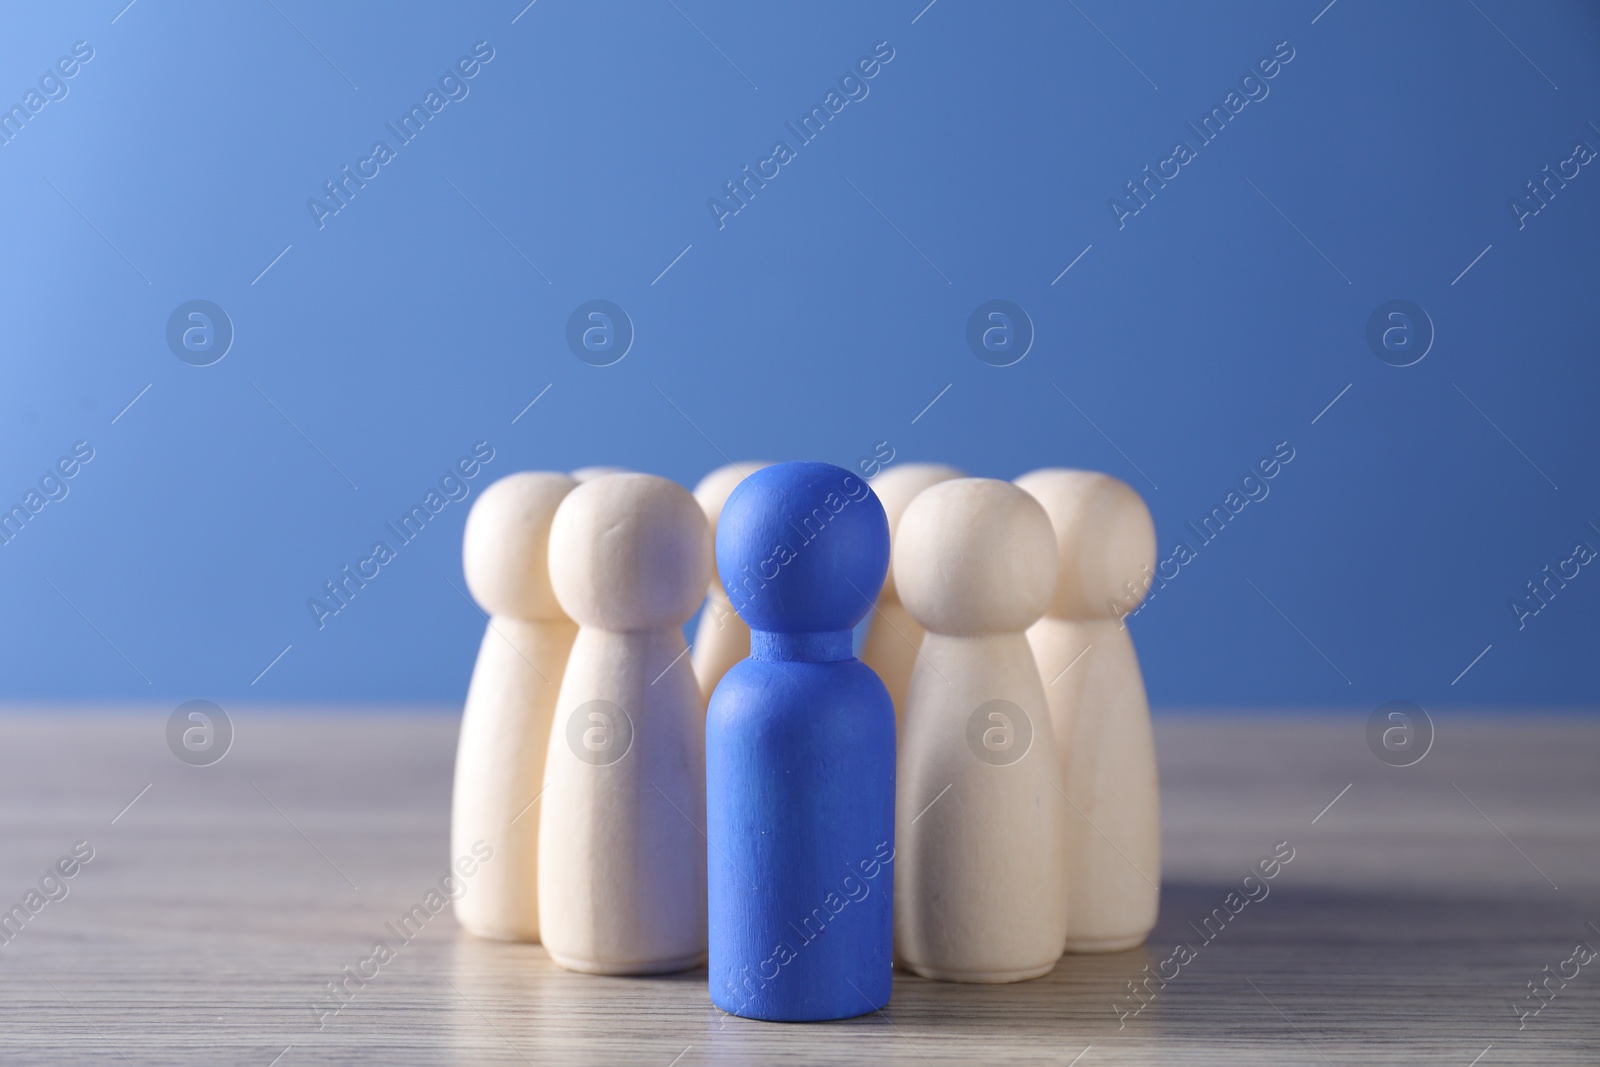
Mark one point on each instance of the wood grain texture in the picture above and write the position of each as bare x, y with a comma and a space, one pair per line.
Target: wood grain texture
1414, 913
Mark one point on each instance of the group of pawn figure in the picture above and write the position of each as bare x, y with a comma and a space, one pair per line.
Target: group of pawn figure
972, 797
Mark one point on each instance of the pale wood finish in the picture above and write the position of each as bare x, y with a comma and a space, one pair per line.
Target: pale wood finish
205, 926
1108, 769
500, 770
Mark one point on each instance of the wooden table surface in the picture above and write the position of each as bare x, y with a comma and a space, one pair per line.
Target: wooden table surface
1414, 914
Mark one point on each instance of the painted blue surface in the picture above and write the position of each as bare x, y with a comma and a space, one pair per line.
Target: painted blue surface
800, 756
1389, 159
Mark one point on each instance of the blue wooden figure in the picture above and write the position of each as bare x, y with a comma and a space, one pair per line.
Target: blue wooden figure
800, 756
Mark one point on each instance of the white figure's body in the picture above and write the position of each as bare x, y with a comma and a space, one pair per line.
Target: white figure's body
1107, 543
505, 726
980, 889
622, 859
893, 636
722, 638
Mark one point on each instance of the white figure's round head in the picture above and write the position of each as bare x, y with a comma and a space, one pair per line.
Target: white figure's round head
1105, 536
505, 549
896, 487
630, 552
715, 488
589, 474
975, 556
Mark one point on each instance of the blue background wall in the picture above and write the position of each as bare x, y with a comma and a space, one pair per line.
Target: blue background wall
821, 319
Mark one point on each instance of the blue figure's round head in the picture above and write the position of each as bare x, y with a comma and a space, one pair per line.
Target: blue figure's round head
802, 548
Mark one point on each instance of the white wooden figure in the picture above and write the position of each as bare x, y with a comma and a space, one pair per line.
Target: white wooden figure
1107, 544
505, 726
980, 889
622, 856
893, 636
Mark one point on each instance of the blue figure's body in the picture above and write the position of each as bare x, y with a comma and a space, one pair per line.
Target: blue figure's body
800, 756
